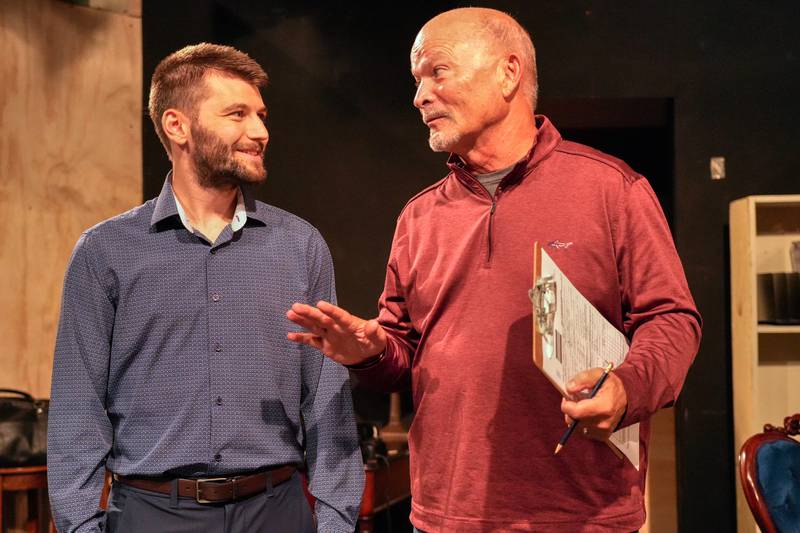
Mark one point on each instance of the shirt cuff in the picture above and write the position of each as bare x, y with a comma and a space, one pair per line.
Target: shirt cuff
368, 363
635, 411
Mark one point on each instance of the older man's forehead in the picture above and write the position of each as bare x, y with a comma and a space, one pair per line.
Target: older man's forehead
454, 33
457, 33
433, 46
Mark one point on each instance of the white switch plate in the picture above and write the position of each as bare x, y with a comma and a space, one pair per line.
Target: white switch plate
717, 166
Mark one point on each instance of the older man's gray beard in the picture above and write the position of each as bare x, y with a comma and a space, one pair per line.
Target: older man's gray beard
216, 165
439, 142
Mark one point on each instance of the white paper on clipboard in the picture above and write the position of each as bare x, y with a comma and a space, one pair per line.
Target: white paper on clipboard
577, 337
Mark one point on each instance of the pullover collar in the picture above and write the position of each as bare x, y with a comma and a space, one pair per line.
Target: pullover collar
547, 139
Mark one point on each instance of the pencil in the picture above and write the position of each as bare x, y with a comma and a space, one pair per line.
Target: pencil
592, 394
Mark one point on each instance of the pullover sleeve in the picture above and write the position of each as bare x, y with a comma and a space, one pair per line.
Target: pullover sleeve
660, 316
392, 371
333, 455
79, 431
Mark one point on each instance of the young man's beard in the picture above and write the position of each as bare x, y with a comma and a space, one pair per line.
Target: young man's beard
216, 164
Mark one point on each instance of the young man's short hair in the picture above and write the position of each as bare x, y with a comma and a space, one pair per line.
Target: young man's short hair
178, 80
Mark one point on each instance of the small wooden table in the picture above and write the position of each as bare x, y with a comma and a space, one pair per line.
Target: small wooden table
387, 483
22, 480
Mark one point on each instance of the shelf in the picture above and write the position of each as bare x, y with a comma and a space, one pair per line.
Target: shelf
765, 365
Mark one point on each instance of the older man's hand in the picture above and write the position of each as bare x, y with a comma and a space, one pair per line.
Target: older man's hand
598, 416
345, 338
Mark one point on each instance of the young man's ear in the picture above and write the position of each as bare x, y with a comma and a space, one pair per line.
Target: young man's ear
176, 126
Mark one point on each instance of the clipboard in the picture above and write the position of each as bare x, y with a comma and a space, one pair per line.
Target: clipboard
570, 335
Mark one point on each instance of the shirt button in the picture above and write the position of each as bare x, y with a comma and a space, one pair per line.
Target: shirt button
213, 251
215, 297
218, 347
219, 400
217, 458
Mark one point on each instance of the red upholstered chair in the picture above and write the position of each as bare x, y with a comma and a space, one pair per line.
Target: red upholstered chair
769, 470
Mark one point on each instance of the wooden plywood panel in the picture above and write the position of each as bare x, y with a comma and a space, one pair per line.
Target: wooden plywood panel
70, 156
129, 7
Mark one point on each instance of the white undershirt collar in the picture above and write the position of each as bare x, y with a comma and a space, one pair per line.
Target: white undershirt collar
239, 214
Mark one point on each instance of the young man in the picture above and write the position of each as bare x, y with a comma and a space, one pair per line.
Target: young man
172, 368
455, 313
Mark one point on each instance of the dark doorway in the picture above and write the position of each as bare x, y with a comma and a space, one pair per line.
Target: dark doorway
637, 130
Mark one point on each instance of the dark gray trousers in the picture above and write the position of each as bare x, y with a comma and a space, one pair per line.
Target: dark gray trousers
281, 509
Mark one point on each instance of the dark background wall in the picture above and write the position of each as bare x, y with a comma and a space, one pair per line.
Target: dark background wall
347, 149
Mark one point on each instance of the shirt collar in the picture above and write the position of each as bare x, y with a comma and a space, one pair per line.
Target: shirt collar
167, 205
237, 222
252, 209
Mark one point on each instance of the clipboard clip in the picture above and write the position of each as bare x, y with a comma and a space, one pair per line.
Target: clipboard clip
543, 297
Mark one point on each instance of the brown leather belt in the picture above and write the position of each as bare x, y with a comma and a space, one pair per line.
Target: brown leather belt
215, 489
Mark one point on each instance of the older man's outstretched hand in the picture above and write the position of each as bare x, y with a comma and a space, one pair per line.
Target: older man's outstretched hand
345, 338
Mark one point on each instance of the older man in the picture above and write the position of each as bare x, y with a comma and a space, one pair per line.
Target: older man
454, 313
172, 368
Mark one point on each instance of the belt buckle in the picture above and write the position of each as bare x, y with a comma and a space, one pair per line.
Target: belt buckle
198, 489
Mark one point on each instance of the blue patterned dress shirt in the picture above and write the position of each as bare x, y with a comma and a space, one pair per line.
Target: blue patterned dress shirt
172, 360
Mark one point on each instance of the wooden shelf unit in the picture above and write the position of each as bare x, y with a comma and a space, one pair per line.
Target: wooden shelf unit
766, 357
